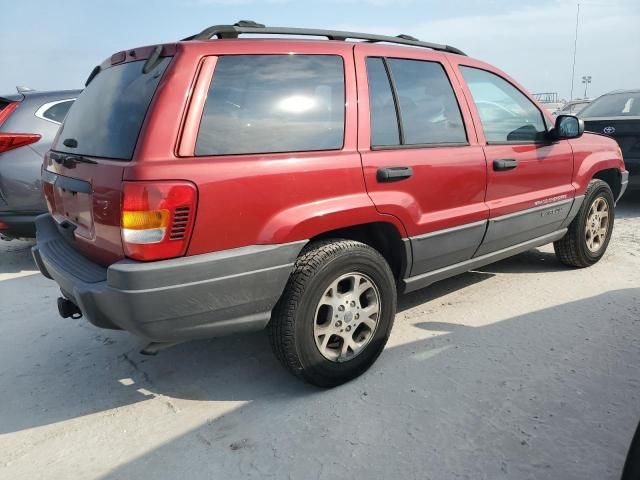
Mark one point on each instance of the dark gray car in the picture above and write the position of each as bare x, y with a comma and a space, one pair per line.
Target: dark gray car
29, 121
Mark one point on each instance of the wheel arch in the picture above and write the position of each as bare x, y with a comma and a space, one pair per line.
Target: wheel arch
611, 176
382, 236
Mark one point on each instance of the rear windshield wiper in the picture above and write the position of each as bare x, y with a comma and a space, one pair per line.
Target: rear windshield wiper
69, 161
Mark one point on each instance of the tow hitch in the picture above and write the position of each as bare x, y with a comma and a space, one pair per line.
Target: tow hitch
66, 308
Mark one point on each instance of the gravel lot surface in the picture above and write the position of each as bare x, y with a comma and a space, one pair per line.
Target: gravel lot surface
524, 369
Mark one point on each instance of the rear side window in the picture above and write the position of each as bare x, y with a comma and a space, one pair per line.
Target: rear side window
58, 111
419, 94
273, 103
106, 119
384, 120
507, 115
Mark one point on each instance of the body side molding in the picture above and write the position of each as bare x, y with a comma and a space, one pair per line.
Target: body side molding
420, 281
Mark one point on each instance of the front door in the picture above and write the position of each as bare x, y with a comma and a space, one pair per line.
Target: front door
421, 160
529, 190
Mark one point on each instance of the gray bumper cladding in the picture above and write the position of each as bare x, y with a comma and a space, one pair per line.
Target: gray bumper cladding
184, 298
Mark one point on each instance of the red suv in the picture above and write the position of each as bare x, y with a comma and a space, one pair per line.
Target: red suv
208, 187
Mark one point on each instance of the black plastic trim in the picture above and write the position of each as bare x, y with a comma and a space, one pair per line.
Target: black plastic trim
251, 27
418, 145
523, 225
420, 281
446, 247
200, 296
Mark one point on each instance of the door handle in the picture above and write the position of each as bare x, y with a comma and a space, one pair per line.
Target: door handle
505, 164
393, 174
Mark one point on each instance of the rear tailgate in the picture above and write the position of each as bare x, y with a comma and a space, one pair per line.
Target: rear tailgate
626, 131
82, 175
84, 200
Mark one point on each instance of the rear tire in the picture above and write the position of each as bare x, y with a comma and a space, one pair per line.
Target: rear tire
590, 232
336, 313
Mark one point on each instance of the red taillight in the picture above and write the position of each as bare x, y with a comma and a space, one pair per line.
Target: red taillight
9, 141
157, 218
6, 111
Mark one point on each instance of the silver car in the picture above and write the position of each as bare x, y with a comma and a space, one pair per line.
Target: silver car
29, 121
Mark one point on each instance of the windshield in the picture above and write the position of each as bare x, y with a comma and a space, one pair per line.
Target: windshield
106, 119
614, 105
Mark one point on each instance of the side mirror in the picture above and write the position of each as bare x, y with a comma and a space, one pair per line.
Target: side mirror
567, 126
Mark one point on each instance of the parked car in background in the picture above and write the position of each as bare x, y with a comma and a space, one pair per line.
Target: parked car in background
573, 107
29, 121
617, 115
207, 187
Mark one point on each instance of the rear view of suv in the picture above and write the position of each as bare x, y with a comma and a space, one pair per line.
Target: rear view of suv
216, 186
29, 121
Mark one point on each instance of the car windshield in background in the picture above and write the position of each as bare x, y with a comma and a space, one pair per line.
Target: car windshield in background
106, 118
614, 105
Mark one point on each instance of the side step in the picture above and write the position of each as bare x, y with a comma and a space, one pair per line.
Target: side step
425, 279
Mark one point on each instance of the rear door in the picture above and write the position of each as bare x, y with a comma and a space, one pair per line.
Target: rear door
82, 176
422, 163
529, 190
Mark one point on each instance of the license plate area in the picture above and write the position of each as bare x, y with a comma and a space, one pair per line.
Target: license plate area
71, 202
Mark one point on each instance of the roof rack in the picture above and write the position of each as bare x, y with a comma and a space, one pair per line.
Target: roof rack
248, 26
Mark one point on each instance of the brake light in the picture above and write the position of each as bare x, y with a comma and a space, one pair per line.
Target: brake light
8, 110
9, 141
157, 219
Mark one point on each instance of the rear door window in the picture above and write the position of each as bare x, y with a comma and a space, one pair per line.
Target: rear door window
106, 118
417, 94
428, 106
273, 103
382, 109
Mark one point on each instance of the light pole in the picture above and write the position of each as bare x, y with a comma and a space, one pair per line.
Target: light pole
575, 49
586, 80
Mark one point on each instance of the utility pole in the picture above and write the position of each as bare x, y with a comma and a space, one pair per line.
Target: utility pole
586, 80
575, 48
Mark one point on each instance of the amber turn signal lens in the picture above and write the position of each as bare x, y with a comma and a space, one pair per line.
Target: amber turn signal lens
144, 220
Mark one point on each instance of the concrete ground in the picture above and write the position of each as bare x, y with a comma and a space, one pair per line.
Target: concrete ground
524, 369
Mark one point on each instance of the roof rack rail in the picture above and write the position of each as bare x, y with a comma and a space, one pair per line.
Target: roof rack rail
248, 26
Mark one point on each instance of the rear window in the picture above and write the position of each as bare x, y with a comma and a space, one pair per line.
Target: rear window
106, 118
273, 103
614, 105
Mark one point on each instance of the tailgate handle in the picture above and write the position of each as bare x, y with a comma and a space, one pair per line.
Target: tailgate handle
392, 174
505, 164
67, 183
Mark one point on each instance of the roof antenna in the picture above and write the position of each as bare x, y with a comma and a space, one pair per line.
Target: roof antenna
23, 89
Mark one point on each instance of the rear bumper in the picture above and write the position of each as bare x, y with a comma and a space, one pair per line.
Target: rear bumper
185, 298
19, 224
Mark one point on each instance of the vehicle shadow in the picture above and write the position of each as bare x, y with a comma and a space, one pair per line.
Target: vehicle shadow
449, 405
465, 386
84, 358
629, 205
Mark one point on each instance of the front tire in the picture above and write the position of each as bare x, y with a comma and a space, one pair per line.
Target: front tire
336, 313
590, 232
